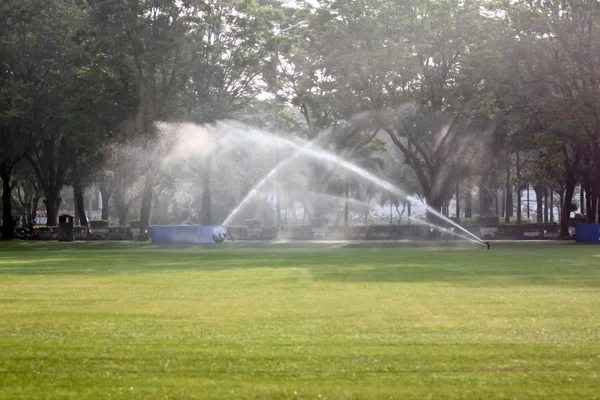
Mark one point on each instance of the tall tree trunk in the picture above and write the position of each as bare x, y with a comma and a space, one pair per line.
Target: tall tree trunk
566, 207
468, 203
582, 198
585, 204
205, 214
436, 204
509, 197
79, 204
590, 203
409, 211
561, 196
106, 195
122, 213
346, 204
121, 204
401, 213
366, 215
457, 202
7, 228
486, 201
545, 205
146, 208
519, 190
594, 208
34, 207
75, 209
496, 208
551, 205
539, 195
528, 204
52, 203
598, 208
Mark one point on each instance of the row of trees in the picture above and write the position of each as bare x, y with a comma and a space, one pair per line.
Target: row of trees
438, 96
468, 91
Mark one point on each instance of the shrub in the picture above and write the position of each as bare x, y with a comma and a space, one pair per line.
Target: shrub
253, 223
513, 220
48, 229
268, 233
99, 224
299, 232
319, 222
489, 222
382, 228
468, 221
134, 224
119, 229
579, 219
574, 206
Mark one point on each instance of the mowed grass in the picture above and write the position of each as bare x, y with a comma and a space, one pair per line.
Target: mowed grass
329, 321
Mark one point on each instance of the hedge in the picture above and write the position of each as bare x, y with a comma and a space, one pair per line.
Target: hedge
119, 229
51, 229
98, 224
253, 223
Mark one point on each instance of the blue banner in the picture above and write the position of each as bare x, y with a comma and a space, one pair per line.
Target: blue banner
189, 234
587, 233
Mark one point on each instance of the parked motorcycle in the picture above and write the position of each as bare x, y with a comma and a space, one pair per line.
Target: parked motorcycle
26, 233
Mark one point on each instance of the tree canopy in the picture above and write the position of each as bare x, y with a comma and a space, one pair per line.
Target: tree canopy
437, 96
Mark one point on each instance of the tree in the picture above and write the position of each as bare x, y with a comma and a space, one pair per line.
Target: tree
27, 190
228, 54
553, 57
37, 79
411, 65
21, 77
154, 34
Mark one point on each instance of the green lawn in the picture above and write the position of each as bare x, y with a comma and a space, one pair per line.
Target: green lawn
360, 321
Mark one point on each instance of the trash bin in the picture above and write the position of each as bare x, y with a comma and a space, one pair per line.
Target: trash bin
65, 228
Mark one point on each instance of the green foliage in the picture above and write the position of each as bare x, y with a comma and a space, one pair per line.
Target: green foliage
98, 224
119, 229
579, 219
135, 224
488, 222
253, 223
513, 220
319, 222
456, 88
47, 229
518, 231
476, 220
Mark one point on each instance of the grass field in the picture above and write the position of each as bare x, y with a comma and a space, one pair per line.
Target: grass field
359, 321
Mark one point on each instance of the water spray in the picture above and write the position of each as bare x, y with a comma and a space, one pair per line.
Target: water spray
307, 148
445, 230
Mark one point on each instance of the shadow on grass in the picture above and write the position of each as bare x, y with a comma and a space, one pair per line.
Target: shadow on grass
352, 262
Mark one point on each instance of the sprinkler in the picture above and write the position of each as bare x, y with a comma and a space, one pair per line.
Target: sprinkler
487, 244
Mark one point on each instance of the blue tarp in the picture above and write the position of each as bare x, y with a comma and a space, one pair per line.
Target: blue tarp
189, 234
587, 233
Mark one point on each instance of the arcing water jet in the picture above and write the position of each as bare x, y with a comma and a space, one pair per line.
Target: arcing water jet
306, 148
